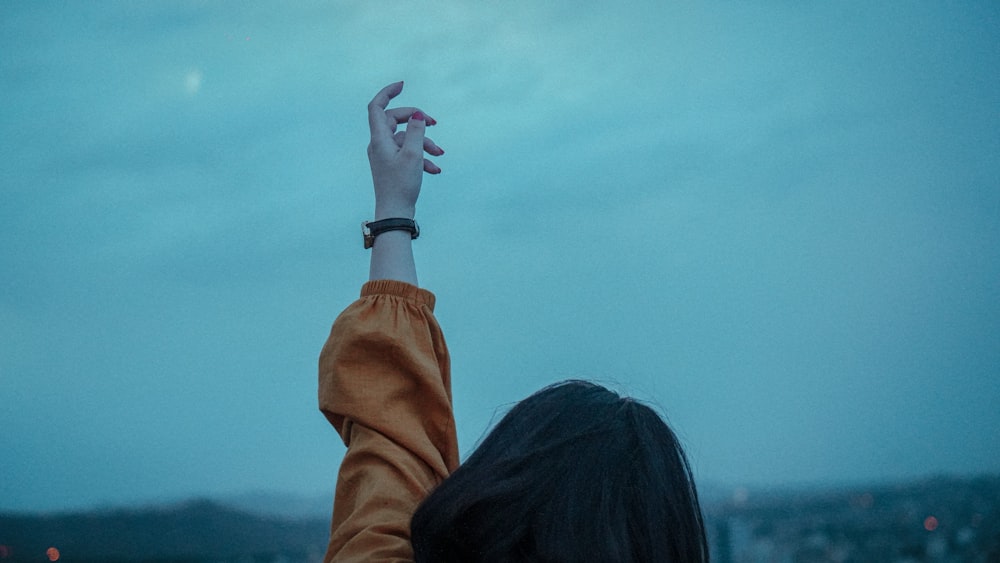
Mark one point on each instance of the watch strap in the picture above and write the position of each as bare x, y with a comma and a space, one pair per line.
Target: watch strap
372, 229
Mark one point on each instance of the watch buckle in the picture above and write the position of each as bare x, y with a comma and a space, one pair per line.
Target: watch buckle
367, 233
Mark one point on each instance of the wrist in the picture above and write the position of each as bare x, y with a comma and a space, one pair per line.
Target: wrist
391, 211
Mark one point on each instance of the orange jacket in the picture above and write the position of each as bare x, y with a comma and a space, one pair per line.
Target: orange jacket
385, 385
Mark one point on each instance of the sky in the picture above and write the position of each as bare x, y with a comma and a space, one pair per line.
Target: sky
777, 222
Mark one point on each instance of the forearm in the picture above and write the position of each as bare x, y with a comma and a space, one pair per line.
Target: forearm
392, 255
398, 166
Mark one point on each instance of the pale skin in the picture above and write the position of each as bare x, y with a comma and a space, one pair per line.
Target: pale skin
398, 165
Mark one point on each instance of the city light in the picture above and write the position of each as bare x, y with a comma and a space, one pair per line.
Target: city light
930, 523
52, 553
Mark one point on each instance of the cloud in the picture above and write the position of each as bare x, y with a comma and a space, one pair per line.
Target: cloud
777, 222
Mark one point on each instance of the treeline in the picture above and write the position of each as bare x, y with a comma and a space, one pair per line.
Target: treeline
193, 532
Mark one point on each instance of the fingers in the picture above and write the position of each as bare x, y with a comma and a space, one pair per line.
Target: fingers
413, 141
380, 128
395, 116
402, 115
430, 147
383, 123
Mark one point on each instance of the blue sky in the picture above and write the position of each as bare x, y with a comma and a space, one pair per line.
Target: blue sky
778, 223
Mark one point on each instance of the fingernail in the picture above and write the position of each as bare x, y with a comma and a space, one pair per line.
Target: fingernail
419, 115
431, 121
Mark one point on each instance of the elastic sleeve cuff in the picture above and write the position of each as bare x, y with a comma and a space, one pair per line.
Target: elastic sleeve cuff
397, 288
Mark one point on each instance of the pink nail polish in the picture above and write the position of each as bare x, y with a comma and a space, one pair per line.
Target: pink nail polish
419, 115
431, 121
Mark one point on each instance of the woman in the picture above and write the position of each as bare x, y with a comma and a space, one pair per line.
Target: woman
572, 473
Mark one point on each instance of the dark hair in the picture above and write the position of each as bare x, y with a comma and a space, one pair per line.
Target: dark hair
572, 473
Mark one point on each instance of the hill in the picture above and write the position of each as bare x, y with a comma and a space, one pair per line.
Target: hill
195, 531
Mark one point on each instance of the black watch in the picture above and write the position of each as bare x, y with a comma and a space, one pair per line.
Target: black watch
372, 229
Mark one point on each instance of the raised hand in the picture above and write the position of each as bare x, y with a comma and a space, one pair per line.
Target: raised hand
397, 157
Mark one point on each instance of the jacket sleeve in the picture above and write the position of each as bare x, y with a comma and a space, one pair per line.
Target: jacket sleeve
384, 384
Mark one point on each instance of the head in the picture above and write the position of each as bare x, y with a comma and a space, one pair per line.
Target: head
572, 473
